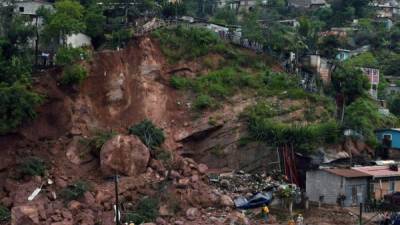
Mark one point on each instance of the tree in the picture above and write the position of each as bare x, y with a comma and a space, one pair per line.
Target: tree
394, 105
363, 116
225, 16
349, 83
95, 21
68, 19
17, 105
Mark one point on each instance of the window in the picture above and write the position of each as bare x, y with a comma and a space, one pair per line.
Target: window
21, 9
392, 186
387, 137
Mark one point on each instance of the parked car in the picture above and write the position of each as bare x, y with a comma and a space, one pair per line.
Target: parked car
255, 201
393, 198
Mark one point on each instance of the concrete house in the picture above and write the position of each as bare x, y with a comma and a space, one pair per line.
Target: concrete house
384, 180
319, 65
373, 77
332, 184
386, 8
307, 4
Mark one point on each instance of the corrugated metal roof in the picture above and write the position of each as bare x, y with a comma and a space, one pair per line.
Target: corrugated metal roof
349, 173
378, 171
388, 129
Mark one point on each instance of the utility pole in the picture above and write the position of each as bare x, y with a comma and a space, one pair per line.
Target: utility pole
117, 219
361, 213
37, 42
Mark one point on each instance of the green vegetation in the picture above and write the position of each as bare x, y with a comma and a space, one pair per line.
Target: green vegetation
75, 191
146, 211
97, 140
69, 55
32, 166
305, 138
67, 19
363, 116
74, 74
187, 43
18, 105
5, 214
148, 133
394, 105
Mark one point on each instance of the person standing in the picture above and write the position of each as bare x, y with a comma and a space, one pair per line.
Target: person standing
265, 213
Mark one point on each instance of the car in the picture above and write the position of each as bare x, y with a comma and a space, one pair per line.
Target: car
393, 198
255, 201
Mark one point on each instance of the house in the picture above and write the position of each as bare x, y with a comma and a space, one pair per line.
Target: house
30, 7
319, 65
291, 23
307, 4
373, 77
384, 180
342, 54
329, 185
239, 4
352, 186
386, 8
389, 137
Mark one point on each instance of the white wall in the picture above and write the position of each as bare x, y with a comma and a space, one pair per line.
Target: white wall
79, 40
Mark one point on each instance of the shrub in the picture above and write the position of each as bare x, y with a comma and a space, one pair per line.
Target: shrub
186, 43
304, 138
148, 133
146, 211
5, 214
18, 104
94, 143
33, 166
74, 74
68, 55
74, 191
178, 82
203, 102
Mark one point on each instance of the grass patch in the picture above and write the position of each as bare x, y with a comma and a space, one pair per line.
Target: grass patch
74, 191
187, 43
146, 211
5, 214
74, 74
32, 166
148, 133
94, 143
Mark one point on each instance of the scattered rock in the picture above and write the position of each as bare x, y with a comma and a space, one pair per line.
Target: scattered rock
164, 211
226, 201
192, 213
179, 222
174, 174
202, 168
89, 199
74, 152
24, 215
6, 202
183, 183
74, 205
161, 221
125, 154
237, 218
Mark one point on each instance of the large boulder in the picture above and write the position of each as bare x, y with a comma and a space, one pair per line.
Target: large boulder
125, 154
25, 215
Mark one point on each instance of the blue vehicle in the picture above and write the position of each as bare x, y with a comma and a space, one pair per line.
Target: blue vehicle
257, 200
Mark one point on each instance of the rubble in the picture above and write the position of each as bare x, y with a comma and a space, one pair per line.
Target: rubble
244, 183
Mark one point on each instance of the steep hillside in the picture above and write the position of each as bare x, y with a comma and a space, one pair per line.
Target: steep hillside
203, 101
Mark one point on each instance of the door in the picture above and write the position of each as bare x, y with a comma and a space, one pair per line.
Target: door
355, 194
